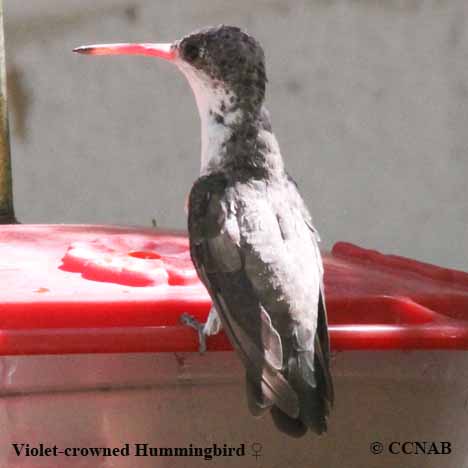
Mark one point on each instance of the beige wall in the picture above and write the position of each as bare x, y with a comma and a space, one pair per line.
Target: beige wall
369, 101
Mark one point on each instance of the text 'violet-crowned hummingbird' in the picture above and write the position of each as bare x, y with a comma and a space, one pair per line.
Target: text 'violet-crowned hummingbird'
251, 235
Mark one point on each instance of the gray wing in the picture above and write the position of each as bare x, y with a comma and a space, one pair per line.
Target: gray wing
322, 340
256, 258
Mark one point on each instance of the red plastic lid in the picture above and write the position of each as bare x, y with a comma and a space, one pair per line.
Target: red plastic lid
92, 289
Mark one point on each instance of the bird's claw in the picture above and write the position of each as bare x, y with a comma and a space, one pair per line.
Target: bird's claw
192, 322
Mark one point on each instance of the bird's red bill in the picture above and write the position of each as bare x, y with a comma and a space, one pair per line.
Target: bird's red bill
164, 51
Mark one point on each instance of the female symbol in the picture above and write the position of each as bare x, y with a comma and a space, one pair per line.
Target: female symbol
256, 449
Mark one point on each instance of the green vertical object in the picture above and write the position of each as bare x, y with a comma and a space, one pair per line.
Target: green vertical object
7, 214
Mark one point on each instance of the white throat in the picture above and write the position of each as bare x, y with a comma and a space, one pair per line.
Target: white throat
212, 104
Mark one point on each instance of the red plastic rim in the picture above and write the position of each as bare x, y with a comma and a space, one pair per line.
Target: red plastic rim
101, 289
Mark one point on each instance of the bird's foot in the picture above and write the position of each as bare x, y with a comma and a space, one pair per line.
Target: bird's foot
190, 321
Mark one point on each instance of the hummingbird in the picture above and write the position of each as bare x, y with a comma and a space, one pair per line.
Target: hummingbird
251, 235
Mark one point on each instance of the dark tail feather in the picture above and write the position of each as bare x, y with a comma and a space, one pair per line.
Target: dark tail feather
307, 375
307, 378
257, 401
290, 426
259, 404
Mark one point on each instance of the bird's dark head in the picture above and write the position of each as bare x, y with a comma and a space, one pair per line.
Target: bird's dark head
225, 57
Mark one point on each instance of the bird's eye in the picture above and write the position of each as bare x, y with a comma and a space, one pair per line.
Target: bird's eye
191, 52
